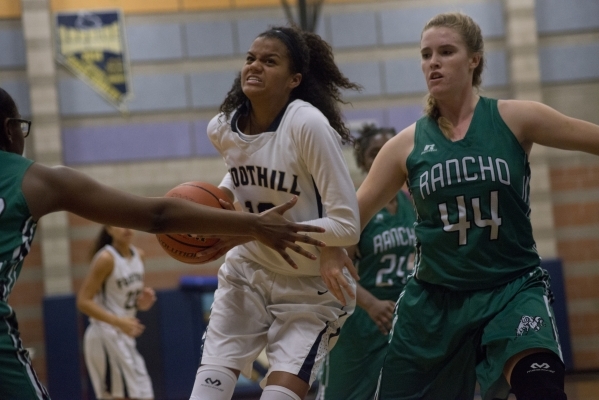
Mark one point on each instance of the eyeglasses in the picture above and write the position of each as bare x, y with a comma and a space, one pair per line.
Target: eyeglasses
24, 124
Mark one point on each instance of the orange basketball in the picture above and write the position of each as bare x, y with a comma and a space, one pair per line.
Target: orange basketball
184, 247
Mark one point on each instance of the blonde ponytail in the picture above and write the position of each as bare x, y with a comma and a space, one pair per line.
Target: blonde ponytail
432, 110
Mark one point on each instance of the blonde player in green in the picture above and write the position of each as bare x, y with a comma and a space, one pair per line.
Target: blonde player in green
384, 258
477, 307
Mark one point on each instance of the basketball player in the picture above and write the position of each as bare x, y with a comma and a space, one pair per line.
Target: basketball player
477, 307
30, 190
384, 257
110, 295
279, 132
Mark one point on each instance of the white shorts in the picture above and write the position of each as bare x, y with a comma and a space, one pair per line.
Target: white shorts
295, 319
115, 367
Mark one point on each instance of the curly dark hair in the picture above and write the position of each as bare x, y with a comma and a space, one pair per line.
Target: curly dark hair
321, 82
8, 109
366, 133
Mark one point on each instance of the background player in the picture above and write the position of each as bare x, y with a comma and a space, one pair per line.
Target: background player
111, 294
279, 132
30, 190
383, 257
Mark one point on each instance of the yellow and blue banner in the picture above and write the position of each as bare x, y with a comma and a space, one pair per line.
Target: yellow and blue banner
92, 45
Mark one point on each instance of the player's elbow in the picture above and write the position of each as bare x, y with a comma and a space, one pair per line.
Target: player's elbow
353, 234
350, 225
347, 234
81, 304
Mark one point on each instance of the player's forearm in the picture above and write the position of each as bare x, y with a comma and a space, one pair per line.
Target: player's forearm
341, 229
364, 299
93, 310
203, 220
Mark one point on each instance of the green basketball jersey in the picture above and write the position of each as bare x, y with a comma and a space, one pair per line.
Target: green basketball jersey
386, 244
384, 249
472, 201
16, 224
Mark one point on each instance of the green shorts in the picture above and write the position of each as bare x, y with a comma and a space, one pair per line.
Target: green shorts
444, 341
352, 368
17, 378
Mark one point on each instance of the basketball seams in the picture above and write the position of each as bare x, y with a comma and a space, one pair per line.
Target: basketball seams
197, 246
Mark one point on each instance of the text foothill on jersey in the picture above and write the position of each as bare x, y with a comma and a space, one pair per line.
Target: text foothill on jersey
244, 175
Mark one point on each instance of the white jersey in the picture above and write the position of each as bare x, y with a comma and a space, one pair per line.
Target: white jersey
115, 367
118, 294
301, 155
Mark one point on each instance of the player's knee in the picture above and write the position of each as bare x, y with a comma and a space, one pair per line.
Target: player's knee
213, 382
274, 392
539, 376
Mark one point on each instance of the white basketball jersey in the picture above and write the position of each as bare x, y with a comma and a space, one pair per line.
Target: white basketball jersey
118, 294
300, 155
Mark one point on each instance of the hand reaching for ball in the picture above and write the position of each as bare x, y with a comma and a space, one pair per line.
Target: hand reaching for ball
273, 230
279, 233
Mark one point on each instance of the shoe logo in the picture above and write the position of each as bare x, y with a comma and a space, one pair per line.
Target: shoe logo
539, 366
429, 148
215, 382
527, 323
321, 293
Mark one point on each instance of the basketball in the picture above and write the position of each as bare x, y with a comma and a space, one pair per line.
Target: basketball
184, 247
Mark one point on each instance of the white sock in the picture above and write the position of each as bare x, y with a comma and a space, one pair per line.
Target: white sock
274, 392
213, 383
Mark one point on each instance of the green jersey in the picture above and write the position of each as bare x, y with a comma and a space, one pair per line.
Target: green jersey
17, 228
385, 246
472, 201
16, 224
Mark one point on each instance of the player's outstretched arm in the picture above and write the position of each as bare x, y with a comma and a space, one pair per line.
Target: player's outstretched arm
64, 189
534, 122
